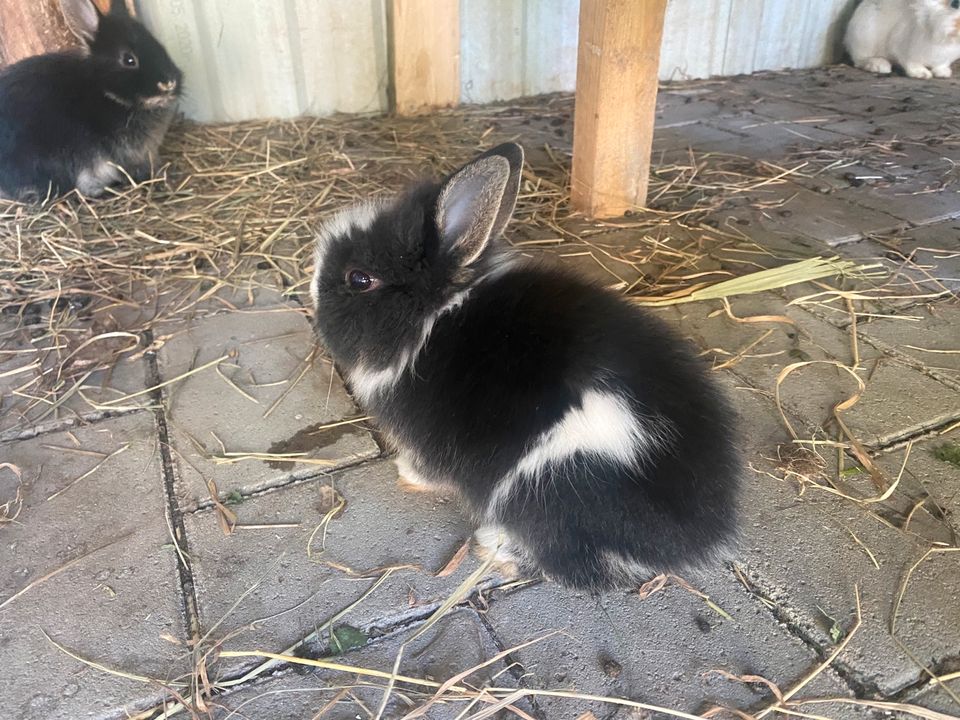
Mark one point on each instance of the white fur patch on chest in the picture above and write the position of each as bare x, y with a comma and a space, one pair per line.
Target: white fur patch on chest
368, 383
93, 180
603, 426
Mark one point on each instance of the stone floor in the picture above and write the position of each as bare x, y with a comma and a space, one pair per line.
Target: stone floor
141, 540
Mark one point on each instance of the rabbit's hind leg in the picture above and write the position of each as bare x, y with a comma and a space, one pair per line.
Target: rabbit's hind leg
942, 71
411, 479
493, 543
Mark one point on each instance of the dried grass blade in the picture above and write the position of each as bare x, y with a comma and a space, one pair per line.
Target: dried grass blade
772, 279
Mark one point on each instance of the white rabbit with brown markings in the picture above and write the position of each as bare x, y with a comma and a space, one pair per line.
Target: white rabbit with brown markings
921, 36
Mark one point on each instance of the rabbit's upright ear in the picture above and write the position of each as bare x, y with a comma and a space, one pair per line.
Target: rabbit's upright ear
476, 202
83, 18
119, 8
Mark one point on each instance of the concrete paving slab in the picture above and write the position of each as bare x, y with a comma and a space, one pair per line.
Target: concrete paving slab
934, 248
883, 294
783, 109
899, 402
91, 553
664, 650
50, 381
882, 128
616, 259
769, 137
932, 478
458, 642
671, 145
766, 229
380, 526
810, 573
926, 336
937, 698
921, 199
870, 98
679, 107
916, 275
265, 399
839, 166
756, 352
828, 219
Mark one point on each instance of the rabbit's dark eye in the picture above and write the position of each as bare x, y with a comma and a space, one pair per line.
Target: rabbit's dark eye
129, 60
955, 4
360, 281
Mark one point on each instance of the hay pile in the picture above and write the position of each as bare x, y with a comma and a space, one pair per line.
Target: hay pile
228, 219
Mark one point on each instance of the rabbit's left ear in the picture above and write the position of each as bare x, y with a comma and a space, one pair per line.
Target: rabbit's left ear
83, 18
122, 8
476, 202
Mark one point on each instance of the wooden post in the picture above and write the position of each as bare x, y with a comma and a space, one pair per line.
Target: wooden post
32, 27
425, 54
617, 65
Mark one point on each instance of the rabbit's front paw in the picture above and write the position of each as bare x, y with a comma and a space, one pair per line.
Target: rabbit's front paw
492, 543
878, 65
409, 479
918, 71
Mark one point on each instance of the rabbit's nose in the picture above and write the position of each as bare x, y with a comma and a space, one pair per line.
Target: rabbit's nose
168, 86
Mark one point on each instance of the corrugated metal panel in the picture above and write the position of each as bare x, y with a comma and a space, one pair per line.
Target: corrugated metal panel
742, 34
280, 58
511, 48
694, 43
274, 58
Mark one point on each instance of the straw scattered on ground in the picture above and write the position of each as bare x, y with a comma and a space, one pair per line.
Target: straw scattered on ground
87, 287
86, 283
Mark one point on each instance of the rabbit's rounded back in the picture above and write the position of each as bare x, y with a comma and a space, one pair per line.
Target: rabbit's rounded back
584, 437
920, 36
85, 118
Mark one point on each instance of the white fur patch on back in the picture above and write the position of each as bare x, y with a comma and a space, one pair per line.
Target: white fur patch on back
603, 426
356, 217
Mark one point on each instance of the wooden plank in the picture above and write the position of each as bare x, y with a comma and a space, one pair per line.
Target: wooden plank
32, 27
425, 54
617, 65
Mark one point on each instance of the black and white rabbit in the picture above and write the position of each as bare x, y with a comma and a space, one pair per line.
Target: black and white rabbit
74, 119
584, 438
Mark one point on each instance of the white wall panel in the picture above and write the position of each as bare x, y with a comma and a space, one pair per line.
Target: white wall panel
694, 43
274, 58
280, 58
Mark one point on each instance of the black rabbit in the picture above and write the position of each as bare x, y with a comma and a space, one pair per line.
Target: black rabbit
584, 438
83, 119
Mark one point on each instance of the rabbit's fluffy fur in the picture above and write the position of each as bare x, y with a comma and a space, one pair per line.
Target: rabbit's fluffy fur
87, 119
921, 36
585, 440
